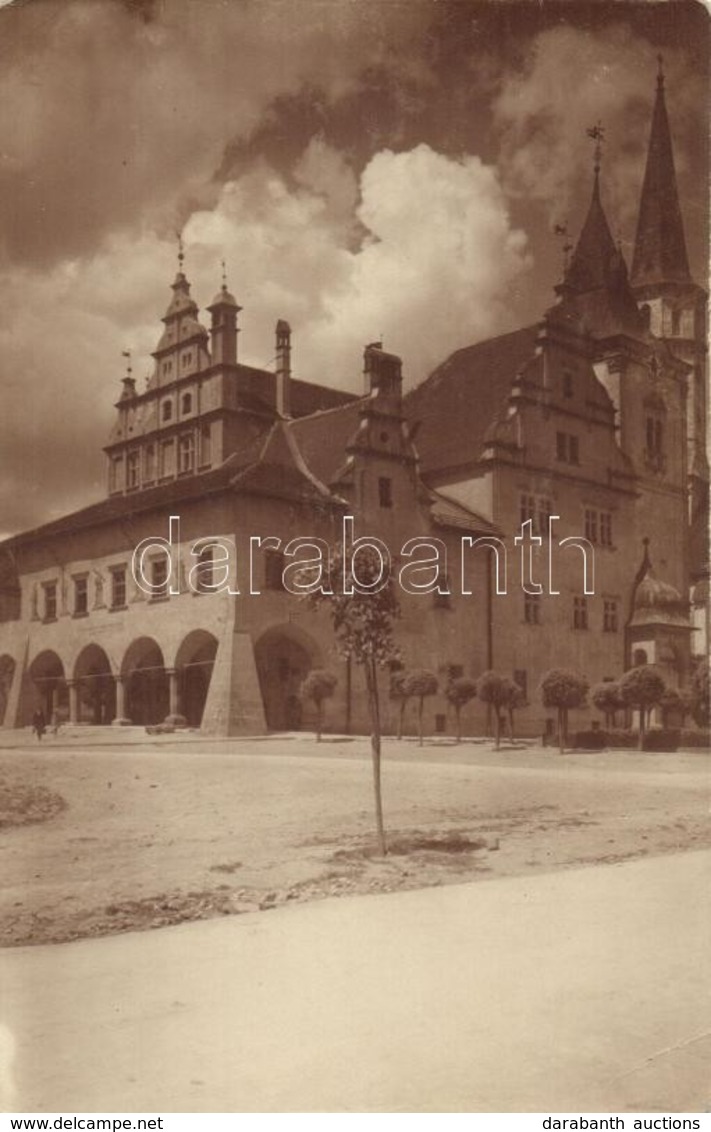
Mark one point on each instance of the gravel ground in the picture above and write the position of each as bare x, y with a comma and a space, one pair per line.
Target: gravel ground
106, 840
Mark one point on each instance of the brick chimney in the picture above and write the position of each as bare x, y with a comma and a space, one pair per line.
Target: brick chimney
283, 368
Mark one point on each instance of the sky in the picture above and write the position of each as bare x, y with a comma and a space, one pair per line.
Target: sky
366, 169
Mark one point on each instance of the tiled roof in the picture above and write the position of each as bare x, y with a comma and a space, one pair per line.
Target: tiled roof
448, 513
322, 438
457, 403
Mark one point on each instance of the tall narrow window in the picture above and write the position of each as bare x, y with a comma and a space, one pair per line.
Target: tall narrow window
50, 601
166, 411
81, 595
149, 463
118, 587
132, 469
580, 613
159, 578
591, 525
167, 458
186, 453
532, 609
609, 617
186, 404
205, 445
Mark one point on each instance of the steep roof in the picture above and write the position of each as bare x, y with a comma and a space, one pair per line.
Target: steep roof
322, 437
457, 403
660, 248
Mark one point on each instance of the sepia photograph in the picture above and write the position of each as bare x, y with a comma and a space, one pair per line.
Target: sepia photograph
354, 561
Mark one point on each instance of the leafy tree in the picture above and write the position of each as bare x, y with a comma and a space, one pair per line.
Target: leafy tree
318, 686
492, 689
700, 693
607, 699
419, 684
514, 698
563, 689
642, 688
363, 624
458, 692
398, 693
676, 703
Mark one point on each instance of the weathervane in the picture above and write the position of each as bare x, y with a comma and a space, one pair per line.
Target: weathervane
597, 134
224, 275
181, 251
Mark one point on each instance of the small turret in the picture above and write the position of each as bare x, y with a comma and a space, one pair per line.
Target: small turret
224, 330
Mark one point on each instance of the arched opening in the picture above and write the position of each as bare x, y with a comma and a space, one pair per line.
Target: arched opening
7, 672
96, 687
52, 694
195, 661
284, 656
146, 682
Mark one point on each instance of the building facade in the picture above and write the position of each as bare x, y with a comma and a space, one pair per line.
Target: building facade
573, 449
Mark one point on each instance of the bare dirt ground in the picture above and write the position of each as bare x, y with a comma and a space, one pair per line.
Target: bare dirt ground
106, 840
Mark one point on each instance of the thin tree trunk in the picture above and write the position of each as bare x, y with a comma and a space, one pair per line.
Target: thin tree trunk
511, 725
561, 730
401, 718
419, 716
319, 721
371, 679
497, 727
458, 710
640, 742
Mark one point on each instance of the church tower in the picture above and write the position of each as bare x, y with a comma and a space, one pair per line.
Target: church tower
673, 304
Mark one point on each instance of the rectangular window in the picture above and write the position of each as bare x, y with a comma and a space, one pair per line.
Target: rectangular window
609, 617
591, 525
50, 601
567, 448
159, 578
118, 588
532, 609
116, 473
273, 569
186, 453
545, 510
385, 492
441, 597
149, 463
606, 528
167, 458
132, 478
81, 595
527, 509
580, 613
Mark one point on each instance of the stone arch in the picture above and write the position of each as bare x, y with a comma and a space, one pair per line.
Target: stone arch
284, 655
145, 682
7, 674
51, 692
96, 687
194, 661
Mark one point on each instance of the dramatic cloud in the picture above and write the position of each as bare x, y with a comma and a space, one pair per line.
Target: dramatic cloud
570, 80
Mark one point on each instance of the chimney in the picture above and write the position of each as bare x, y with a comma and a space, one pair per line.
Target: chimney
382, 373
283, 368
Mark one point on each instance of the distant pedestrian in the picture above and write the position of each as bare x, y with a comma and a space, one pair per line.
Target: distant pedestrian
38, 723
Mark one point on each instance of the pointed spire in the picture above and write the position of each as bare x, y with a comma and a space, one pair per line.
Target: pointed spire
660, 248
595, 260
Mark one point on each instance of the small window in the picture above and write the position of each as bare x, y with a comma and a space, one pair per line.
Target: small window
527, 508
580, 613
273, 569
385, 492
159, 578
605, 528
591, 525
167, 411
609, 617
186, 405
81, 596
532, 609
50, 601
118, 588
186, 453
167, 458
132, 470
116, 473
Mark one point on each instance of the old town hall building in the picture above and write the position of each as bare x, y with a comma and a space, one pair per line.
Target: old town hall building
591, 425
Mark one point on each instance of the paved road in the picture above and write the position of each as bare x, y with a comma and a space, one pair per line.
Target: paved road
584, 990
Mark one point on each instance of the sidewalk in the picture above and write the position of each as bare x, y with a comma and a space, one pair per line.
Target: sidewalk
585, 990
